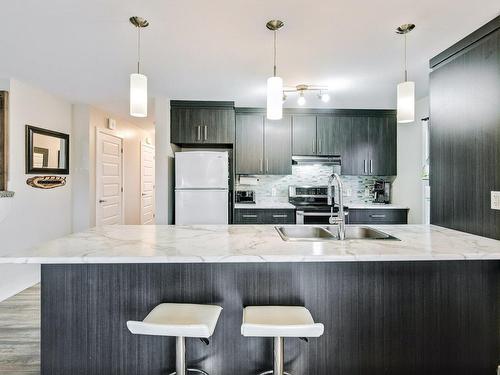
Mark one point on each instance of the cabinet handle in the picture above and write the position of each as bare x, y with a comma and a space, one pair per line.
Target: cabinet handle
364, 166
378, 216
267, 165
206, 132
198, 137
249, 216
371, 166
278, 216
319, 145
261, 163
314, 145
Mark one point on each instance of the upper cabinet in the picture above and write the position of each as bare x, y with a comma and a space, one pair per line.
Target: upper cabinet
365, 139
249, 146
209, 123
263, 146
372, 150
304, 135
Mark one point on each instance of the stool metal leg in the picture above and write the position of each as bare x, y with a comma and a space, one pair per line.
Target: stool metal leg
279, 358
180, 356
279, 355
180, 359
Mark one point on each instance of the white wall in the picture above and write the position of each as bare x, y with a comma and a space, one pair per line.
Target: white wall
165, 172
79, 164
33, 215
407, 188
132, 136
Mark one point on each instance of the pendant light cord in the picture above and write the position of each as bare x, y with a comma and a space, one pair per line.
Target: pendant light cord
139, 50
274, 69
406, 71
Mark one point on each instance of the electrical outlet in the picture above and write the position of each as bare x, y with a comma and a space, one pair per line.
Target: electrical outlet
495, 200
347, 192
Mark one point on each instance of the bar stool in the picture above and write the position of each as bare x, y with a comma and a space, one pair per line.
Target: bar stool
179, 320
279, 322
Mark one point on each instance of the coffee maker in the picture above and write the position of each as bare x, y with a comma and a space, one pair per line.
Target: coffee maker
382, 192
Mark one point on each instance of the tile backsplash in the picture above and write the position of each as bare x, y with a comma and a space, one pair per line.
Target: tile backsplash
357, 189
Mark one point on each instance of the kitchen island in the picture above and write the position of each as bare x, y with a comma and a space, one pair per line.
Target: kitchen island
428, 303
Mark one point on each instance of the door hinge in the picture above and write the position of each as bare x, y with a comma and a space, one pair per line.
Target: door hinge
122, 189
154, 215
121, 150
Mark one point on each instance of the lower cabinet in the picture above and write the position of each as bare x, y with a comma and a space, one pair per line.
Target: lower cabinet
378, 216
263, 216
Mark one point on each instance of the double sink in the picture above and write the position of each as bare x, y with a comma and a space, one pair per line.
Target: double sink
330, 232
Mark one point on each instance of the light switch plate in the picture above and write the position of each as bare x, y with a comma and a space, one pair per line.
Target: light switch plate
495, 200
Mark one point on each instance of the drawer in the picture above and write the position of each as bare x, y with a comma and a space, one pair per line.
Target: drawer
378, 216
264, 216
280, 217
248, 216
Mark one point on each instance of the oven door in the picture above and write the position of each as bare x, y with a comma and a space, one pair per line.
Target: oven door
310, 217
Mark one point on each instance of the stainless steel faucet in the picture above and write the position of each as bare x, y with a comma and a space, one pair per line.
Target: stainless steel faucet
339, 219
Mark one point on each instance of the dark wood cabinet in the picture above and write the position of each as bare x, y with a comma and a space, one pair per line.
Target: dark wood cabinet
264, 216
334, 135
249, 144
304, 135
378, 216
367, 144
465, 133
278, 146
202, 122
382, 139
373, 147
263, 146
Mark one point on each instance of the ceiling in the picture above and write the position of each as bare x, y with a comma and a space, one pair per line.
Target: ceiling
84, 50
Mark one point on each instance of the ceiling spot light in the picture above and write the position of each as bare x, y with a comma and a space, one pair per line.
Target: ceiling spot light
325, 97
301, 100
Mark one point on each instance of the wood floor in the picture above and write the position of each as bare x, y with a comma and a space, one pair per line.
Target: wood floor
20, 333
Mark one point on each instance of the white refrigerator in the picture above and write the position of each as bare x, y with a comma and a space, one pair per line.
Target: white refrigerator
201, 187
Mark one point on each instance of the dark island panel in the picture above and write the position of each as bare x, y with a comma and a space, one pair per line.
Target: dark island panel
380, 317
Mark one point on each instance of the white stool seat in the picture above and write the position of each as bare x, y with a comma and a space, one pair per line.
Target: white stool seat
279, 321
178, 319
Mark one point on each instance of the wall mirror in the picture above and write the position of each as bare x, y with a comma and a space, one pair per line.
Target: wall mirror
47, 151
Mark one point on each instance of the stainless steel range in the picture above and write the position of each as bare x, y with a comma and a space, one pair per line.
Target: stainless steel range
311, 204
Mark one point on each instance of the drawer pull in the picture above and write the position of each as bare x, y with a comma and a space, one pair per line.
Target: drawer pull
378, 216
278, 216
249, 216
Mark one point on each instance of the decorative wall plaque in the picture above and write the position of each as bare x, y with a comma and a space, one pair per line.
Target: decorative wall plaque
46, 182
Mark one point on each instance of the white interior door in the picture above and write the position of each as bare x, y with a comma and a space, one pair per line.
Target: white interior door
109, 179
147, 184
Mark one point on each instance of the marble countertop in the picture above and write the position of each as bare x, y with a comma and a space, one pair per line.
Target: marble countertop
250, 243
265, 205
374, 206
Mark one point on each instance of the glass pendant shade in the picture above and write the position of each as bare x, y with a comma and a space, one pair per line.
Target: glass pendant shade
406, 102
274, 98
138, 95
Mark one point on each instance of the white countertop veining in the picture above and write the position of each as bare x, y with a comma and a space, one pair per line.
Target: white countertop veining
374, 206
265, 205
249, 243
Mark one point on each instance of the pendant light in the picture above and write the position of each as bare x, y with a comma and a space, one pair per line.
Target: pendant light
274, 83
138, 81
406, 89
